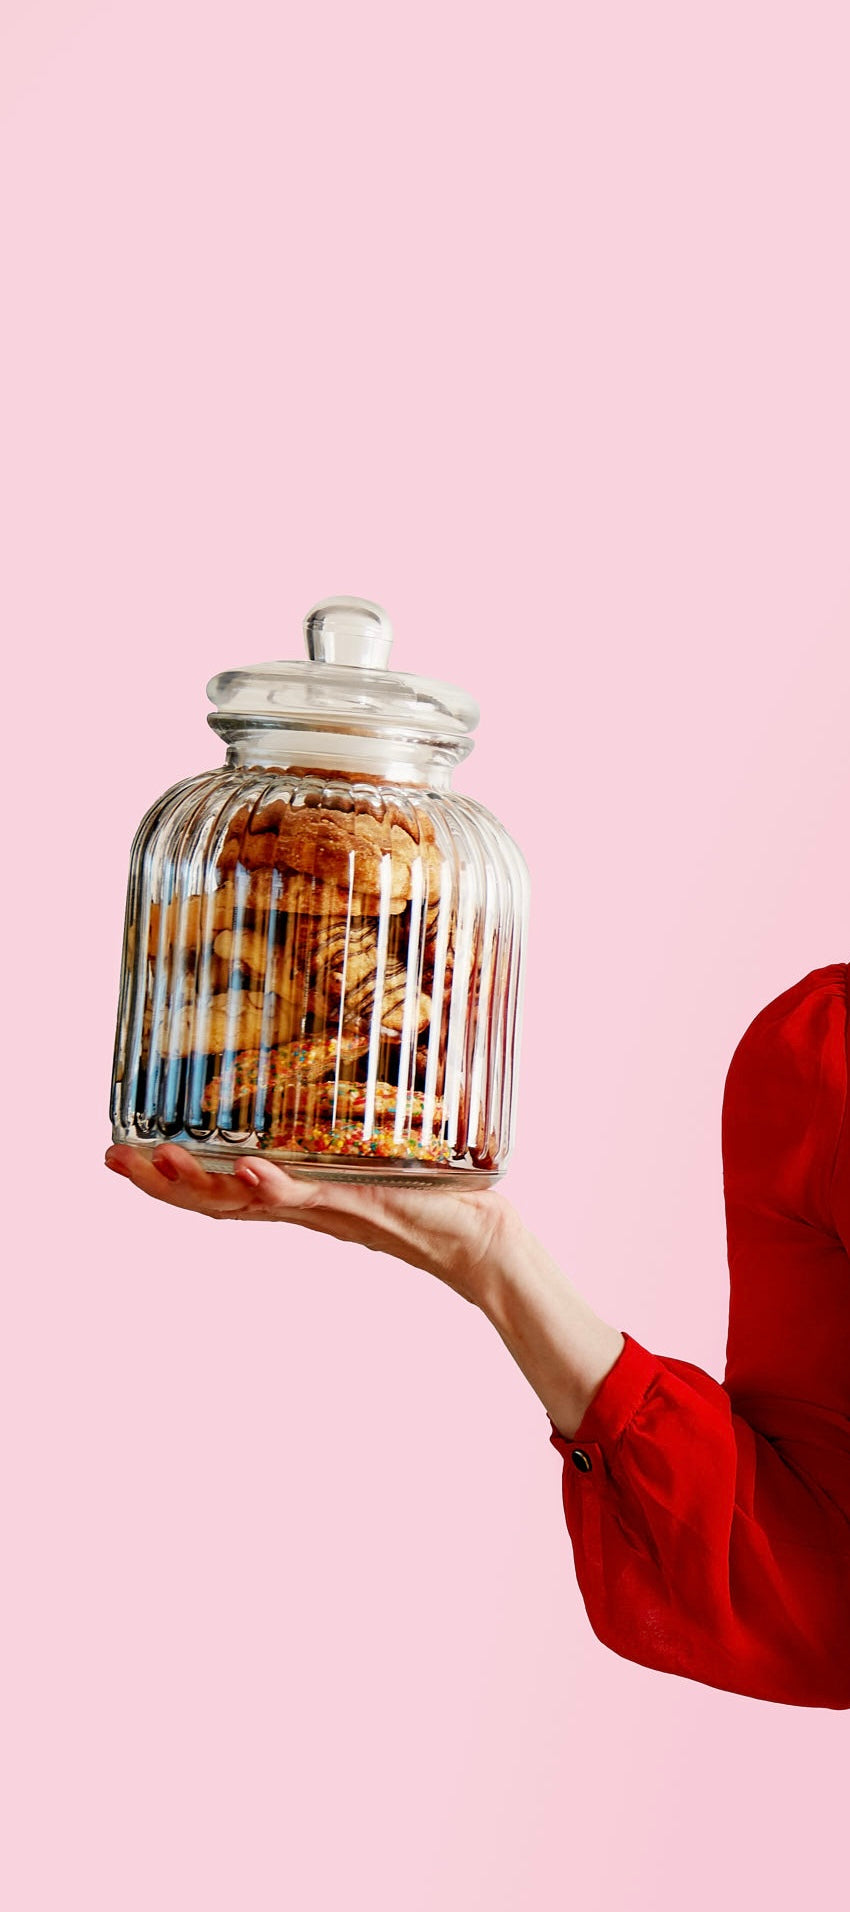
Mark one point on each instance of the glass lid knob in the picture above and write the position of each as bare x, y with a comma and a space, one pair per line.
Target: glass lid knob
348, 630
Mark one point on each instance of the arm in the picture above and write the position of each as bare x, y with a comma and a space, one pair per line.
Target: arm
711, 1525
711, 1530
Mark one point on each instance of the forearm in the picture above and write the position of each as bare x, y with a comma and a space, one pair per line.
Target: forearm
562, 1347
702, 1547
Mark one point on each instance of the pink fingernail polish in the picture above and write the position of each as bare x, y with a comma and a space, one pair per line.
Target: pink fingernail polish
247, 1175
167, 1169
118, 1168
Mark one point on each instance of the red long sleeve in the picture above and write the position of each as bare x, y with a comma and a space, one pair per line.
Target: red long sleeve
711, 1524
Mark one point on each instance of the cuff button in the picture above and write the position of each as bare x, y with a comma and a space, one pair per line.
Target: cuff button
581, 1460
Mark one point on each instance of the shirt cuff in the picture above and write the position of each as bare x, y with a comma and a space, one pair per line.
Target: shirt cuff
615, 1401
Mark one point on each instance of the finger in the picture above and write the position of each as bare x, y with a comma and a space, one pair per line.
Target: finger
349, 1211
182, 1169
325, 1201
275, 1188
173, 1176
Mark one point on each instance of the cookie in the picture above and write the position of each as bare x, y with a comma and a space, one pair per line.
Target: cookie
344, 841
294, 1065
307, 896
190, 916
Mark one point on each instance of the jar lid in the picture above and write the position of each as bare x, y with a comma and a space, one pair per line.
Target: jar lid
344, 685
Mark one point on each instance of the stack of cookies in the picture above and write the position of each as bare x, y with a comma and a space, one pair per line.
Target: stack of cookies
301, 992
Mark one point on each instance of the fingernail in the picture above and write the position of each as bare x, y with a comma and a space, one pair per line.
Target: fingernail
118, 1168
247, 1175
168, 1169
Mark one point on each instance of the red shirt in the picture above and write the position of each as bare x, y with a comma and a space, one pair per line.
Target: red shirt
711, 1528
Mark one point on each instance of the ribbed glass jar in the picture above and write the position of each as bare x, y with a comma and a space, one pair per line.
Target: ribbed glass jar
323, 964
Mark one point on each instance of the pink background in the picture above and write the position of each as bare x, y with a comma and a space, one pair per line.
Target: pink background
533, 324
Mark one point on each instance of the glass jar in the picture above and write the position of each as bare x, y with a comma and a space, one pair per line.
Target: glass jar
324, 944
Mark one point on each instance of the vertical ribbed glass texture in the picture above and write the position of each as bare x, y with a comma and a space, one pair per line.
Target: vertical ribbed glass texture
326, 969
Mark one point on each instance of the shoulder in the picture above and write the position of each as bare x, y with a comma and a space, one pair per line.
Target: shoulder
800, 1020
785, 1095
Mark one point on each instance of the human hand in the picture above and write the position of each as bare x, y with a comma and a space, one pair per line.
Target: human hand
474, 1241
453, 1236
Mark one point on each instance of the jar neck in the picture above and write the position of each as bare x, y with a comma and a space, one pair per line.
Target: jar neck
366, 759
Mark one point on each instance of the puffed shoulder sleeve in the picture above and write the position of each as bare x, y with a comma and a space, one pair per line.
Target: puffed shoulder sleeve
710, 1522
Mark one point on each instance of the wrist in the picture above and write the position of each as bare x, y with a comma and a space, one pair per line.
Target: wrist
562, 1346
486, 1244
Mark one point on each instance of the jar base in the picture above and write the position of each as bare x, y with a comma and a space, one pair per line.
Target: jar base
317, 1168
